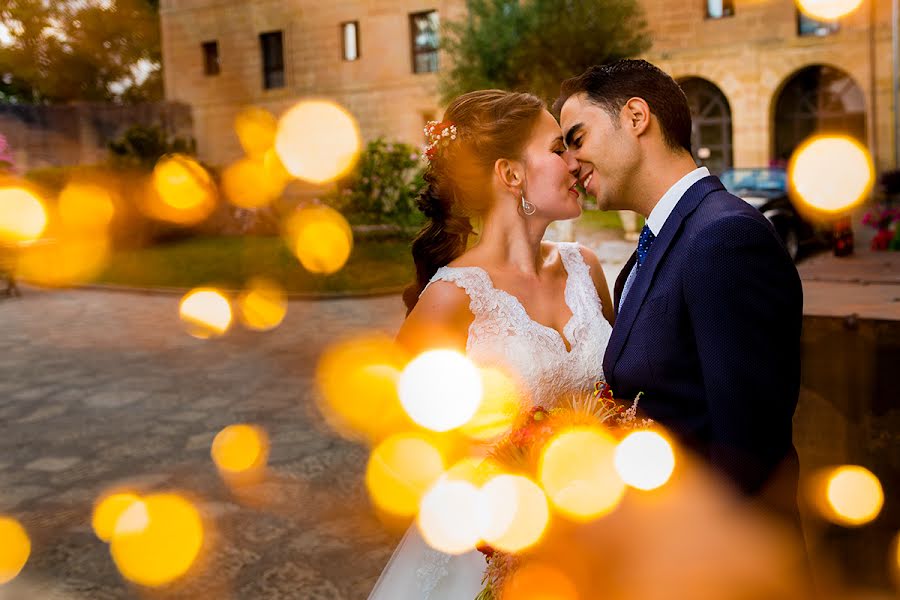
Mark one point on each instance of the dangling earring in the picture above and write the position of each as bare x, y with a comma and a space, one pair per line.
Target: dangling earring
527, 207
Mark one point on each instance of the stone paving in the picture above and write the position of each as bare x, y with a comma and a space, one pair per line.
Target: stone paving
102, 389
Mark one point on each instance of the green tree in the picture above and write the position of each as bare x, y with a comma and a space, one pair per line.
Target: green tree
61, 51
532, 45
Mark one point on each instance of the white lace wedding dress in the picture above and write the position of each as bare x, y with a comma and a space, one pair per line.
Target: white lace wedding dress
503, 335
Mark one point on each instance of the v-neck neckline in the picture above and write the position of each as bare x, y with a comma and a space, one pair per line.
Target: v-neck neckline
564, 336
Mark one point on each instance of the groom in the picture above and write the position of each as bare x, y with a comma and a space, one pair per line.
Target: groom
709, 308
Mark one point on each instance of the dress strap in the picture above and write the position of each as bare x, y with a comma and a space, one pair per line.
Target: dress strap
474, 281
580, 274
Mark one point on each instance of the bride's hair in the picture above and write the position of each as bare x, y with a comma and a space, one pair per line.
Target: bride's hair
490, 124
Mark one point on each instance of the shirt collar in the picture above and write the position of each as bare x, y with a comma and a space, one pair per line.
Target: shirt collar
666, 204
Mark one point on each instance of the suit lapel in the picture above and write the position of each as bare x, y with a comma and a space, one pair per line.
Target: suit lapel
643, 280
621, 279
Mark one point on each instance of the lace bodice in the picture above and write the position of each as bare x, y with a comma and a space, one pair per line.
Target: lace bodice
504, 335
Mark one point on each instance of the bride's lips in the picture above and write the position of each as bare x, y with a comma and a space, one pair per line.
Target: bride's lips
574, 189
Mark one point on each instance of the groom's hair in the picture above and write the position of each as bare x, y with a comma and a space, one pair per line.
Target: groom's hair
611, 86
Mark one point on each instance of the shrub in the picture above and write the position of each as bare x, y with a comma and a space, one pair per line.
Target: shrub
383, 186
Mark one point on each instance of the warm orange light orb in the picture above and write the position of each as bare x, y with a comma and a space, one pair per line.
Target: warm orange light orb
500, 404
256, 128
205, 313
440, 390
321, 238
182, 191
537, 581
357, 384
14, 549
263, 305
157, 540
86, 207
828, 10
451, 516
645, 460
108, 511
240, 448
578, 473
854, 495
63, 261
829, 175
318, 141
23, 217
400, 470
517, 513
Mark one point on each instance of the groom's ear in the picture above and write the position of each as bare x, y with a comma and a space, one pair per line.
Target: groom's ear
636, 115
510, 172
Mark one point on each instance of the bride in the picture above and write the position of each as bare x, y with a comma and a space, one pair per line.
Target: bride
539, 310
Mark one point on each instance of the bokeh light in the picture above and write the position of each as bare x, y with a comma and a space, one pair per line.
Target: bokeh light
440, 390
451, 517
108, 510
645, 460
86, 206
536, 581
240, 448
181, 191
357, 384
63, 261
14, 549
828, 10
830, 175
476, 470
500, 404
854, 495
400, 470
256, 128
578, 473
249, 184
160, 544
517, 513
262, 306
317, 141
205, 312
23, 217
320, 237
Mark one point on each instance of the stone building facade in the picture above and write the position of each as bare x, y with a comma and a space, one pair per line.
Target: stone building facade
759, 76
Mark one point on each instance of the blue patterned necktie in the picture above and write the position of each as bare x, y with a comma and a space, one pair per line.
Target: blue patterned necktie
644, 244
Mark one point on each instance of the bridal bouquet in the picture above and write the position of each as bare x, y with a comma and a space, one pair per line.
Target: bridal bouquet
520, 450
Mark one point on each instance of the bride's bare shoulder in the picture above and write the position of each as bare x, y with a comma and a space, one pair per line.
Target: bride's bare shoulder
440, 318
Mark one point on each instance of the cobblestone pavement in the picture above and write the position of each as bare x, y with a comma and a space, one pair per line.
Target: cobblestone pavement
102, 389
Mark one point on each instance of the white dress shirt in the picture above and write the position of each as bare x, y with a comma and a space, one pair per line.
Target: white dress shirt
660, 214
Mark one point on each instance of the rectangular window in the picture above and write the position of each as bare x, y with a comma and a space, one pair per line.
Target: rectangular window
350, 40
807, 26
719, 9
272, 46
424, 30
211, 58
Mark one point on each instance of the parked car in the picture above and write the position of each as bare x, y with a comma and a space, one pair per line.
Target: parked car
766, 190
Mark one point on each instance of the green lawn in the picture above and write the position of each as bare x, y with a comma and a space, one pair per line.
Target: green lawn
229, 262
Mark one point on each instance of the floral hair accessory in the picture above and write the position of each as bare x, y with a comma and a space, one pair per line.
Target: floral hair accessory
440, 134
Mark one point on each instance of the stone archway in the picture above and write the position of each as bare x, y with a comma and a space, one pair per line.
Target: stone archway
711, 131
817, 99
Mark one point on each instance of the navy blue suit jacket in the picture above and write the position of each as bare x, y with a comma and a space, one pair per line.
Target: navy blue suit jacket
710, 333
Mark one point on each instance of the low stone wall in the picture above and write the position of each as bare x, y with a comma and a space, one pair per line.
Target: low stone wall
849, 413
61, 135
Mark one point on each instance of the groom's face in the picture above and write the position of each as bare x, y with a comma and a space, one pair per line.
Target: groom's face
602, 148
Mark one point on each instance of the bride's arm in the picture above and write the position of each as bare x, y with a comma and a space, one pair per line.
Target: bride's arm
600, 283
440, 319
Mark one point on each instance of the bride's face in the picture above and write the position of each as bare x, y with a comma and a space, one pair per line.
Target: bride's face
550, 173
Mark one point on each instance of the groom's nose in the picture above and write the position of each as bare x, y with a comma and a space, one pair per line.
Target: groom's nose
573, 165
